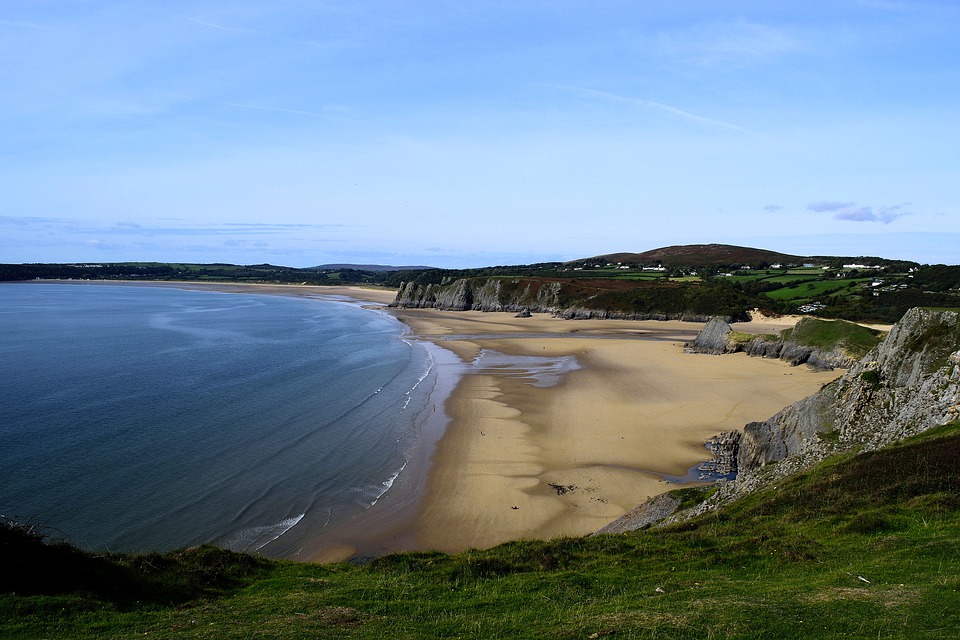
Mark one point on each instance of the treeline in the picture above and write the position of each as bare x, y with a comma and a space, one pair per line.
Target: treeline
261, 273
424, 277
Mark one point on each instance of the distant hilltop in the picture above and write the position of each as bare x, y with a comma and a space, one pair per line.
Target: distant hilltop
700, 254
728, 255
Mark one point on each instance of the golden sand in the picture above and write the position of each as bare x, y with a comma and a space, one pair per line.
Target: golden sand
521, 461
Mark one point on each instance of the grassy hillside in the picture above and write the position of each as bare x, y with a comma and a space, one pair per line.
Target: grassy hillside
860, 547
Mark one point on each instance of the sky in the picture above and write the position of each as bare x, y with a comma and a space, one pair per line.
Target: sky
463, 134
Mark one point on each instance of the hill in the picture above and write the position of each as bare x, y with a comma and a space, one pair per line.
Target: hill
700, 255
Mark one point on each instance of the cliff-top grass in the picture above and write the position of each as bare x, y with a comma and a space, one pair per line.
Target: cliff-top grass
853, 338
861, 547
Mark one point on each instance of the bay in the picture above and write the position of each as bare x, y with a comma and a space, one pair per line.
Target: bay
150, 418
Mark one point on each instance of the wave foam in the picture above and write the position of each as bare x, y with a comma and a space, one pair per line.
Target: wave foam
256, 538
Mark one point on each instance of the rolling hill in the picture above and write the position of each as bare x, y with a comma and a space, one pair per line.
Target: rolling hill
700, 255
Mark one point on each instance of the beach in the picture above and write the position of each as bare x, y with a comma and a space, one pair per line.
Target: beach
522, 461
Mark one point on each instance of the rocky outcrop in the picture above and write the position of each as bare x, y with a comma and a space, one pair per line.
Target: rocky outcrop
907, 384
581, 313
653, 510
718, 337
714, 338
789, 432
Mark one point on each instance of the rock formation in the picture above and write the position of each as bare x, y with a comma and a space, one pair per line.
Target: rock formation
718, 337
907, 384
714, 338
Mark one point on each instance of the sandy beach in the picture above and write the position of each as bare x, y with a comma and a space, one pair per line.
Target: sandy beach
525, 461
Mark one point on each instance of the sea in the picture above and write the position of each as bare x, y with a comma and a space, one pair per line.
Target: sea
138, 418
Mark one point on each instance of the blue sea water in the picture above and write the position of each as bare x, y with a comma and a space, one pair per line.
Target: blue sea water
136, 418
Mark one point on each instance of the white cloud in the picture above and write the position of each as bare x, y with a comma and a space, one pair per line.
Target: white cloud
852, 212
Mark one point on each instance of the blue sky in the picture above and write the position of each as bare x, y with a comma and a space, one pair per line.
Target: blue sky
463, 134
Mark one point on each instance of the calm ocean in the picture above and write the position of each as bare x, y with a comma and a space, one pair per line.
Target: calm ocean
150, 418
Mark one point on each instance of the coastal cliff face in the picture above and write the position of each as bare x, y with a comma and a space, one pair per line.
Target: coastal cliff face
487, 295
907, 384
569, 300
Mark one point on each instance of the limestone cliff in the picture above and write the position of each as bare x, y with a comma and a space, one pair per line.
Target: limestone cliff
907, 384
570, 299
489, 294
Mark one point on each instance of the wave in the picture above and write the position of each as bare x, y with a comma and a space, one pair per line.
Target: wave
389, 483
409, 394
256, 538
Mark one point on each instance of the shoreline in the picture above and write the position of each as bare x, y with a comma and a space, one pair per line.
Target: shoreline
521, 460
542, 427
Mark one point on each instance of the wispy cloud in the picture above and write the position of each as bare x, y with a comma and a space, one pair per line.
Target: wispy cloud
299, 112
649, 104
25, 221
772, 208
730, 43
220, 27
820, 207
852, 212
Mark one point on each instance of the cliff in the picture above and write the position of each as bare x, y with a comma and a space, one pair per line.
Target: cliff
823, 344
577, 299
486, 294
907, 384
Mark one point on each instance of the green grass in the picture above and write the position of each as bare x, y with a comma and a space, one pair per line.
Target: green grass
792, 279
805, 291
853, 338
861, 547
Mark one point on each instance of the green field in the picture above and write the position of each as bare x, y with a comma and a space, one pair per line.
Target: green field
805, 291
